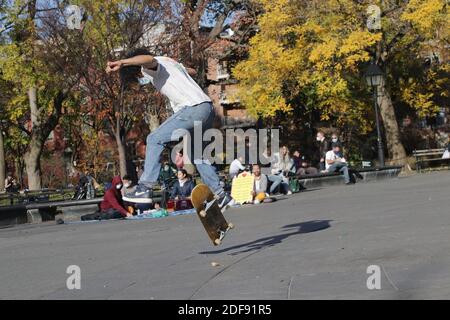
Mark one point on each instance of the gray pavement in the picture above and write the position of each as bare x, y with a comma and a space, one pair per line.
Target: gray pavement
313, 245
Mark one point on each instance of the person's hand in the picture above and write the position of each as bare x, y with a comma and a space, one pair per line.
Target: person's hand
253, 193
113, 66
322, 159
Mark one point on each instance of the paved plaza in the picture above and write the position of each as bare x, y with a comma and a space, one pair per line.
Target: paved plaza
316, 244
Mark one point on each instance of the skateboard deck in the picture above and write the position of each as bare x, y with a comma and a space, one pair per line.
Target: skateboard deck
211, 216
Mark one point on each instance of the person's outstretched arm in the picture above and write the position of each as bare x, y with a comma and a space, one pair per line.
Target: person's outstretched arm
145, 61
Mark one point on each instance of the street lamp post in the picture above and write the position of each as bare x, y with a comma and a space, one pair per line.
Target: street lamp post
374, 76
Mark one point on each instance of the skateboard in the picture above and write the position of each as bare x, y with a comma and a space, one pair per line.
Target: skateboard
209, 213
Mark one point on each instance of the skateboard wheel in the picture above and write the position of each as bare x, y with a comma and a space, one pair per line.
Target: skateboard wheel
202, 213
217, 242
230, 226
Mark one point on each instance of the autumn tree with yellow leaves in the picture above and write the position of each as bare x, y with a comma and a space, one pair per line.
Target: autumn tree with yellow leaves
314, 53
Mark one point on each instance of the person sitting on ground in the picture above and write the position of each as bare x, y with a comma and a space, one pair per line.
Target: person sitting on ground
112, 206
235, 167
302, 166
183, 187
335, 161
128, 185
283, 166
275, 180
260, 184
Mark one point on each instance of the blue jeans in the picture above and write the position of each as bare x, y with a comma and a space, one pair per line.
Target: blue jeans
341, 167
276, 181
156, 141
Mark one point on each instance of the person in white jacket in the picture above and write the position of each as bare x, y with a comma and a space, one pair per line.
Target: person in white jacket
235, 166
282, 165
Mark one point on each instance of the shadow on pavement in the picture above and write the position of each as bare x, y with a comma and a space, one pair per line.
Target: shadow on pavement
302, 227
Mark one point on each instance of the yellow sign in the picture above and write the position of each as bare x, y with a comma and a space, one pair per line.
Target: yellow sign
242, 187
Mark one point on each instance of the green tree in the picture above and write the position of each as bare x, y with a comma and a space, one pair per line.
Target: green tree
39, 86
314, 53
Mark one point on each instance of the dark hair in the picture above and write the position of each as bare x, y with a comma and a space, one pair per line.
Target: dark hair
336, 144
183, 171
126, 177
129, 75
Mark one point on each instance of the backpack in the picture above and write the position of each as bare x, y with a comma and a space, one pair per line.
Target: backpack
294, 185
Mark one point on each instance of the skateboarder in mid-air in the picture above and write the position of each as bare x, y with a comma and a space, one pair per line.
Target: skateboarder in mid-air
189, 104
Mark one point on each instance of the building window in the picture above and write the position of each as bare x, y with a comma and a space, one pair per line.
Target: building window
222, 70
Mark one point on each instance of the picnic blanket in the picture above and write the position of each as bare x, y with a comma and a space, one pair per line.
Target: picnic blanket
150, 214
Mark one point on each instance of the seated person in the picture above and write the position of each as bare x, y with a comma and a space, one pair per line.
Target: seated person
302, 166
112, 206
274, 180
10, 183
128, 185
167, 173
181, 192
236, 166
283, 165
335, 161
260, 185
182, 188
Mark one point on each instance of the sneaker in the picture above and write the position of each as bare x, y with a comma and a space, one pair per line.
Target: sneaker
224, 201
289, 193
141, 194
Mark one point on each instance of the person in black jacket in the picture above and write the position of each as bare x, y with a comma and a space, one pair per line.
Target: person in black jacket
182, 188
324, 147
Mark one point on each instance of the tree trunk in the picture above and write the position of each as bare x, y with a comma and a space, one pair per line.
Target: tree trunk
32, 164
2, 161
122, 154
395, 147
33, 154
32, 98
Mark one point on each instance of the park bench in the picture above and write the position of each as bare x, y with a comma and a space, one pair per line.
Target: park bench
29, 196
428, 156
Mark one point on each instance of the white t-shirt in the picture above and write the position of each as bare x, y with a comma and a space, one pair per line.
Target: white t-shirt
331, 156
173, 81
235, 166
